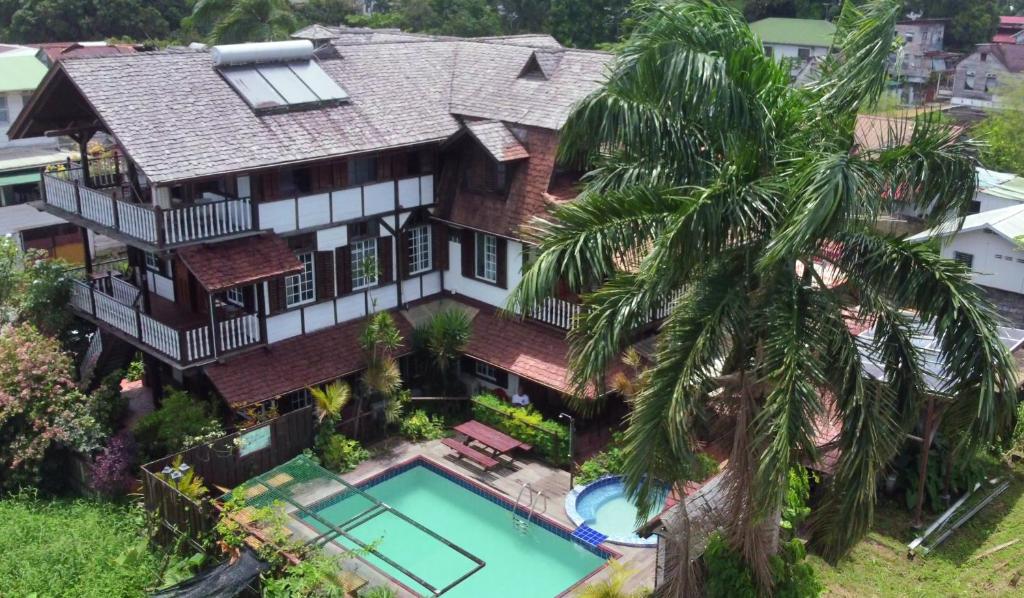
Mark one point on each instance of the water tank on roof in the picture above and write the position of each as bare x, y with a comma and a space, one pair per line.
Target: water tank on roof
262, 52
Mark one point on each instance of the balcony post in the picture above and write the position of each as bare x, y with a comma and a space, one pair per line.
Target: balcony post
78, 199
138, 321
92, 299
213, 326
158, 222
86, 248
260, 311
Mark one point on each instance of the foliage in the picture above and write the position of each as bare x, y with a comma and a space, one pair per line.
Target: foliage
728, 576
27, 21
587, 23
181, 422
313, 577
1000, 131
969, 23
340, 454
798, 492
188, 483
711, 177
330, 400
419, 426
612, 459
236, 21
612, 586
33, 288
549, 438
109, 405
73, 548
382, 379
327, 12
40, 406
445, 337
113, 469
135, 369
964, 471
380, 592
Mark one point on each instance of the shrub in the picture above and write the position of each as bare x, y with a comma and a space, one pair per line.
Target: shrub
549, 438
135, 370
112, 470
728, 576
419, 426
109, 404
40, 406
380, 592
340, 453
181, 422
611, 461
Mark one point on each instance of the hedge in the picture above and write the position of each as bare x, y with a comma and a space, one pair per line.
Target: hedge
549, 438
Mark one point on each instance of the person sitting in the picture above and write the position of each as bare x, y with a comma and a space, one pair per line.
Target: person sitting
520, 399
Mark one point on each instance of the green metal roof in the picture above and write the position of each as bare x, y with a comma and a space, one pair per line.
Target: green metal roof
19, 179
796, 32
20, 73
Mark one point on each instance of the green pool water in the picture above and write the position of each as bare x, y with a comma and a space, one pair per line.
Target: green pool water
534, 564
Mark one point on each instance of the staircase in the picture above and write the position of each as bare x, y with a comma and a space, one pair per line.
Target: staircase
106, 354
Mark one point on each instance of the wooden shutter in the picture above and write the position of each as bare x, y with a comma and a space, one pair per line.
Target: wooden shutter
384, 261
468, 254
275, 292
343, 259
323, 262
501, 245
439, 238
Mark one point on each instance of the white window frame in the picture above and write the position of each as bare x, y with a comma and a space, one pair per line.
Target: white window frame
486, 371
485, 262
235, 296
300, 289
364, 250
153, 263
421, 257
5, 109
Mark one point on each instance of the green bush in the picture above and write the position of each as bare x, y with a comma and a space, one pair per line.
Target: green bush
340, 453
109, 405
135, 370
729, 577
548, 437
80, 548
182, 421
419, 426
611, 461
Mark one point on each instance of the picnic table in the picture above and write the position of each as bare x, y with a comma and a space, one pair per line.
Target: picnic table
489, 437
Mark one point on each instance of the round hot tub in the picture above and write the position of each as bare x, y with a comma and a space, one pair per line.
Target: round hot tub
604, 507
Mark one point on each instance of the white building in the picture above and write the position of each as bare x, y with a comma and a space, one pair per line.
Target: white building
798, 39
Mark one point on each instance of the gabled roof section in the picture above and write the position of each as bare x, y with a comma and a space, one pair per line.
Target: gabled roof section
1008, 223
229, 264
532, 69
498, 140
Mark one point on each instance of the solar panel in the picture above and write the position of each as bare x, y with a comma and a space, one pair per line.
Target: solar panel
283, 85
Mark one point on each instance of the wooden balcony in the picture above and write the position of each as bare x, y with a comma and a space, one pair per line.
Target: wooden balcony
115, 303
66, 195
561, 313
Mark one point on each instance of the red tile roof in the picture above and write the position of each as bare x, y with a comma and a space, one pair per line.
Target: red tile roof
238, 262
294, 364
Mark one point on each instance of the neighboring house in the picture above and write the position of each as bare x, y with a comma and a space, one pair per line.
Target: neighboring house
271, 198
56, 51
980, 76
1011, 31
797, 40
997, 190
921, 59
991, 243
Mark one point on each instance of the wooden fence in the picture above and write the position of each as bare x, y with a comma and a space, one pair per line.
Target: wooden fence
224, 464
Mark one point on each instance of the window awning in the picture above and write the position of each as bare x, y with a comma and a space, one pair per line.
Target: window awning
6, 180
239, 262
498, 140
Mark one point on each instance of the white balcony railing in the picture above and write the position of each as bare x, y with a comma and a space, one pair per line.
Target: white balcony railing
561, 313
186, 347
152, 225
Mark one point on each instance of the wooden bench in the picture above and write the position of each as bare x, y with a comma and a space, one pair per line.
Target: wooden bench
470, 453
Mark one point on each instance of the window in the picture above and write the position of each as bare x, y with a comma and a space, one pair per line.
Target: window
990, 82
153, 262
455, 235
486, 371
769, 51
804, 53
364, 263
4, 114
969, 80
362, 171
500, 177
908, 37
234, 296
984, 56
301, 288
296, 181
419, 250
975, 207
487, 257
964, 258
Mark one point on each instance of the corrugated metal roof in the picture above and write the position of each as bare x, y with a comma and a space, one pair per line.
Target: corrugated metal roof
1006, 222
798, 32
20, 72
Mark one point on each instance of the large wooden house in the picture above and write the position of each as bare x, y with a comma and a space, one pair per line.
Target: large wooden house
274, 195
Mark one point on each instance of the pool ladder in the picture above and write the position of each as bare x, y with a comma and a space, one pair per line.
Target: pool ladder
533, 498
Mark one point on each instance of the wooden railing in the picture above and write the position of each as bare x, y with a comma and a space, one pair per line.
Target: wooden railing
150, 224
108, 301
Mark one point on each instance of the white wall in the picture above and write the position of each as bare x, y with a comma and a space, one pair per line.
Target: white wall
482, 291
15, 103
990, 271
780, 51
991, 202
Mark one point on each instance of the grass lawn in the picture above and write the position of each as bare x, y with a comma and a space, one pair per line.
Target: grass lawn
878, 566
73, 548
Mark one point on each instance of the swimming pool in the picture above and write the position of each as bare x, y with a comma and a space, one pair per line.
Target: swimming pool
604, 507
541, 562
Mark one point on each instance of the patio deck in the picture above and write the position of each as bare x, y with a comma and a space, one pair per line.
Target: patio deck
554, 483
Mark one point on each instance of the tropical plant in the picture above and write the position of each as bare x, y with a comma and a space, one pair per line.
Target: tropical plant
380, 592
314, 576
712, 177
181, 422
237, 21
112, 469
549, 438
382, 379
613, 586
445, 337
419, 426
330, 400
33, 288
188, 482
342, 454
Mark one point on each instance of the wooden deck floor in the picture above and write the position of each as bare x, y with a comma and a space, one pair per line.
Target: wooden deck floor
553, 483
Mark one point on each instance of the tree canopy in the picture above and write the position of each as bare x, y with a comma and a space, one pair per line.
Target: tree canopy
1001, 132
28, 21
714, 180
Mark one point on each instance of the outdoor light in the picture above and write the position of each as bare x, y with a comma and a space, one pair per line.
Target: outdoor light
176, 474
184, 467
166, 470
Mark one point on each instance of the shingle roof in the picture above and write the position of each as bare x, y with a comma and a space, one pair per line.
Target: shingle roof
227, 264
178, 119
495, 137
881, 132
798, 32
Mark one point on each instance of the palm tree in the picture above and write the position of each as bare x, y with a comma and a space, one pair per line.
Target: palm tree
382, 377
236, 21
330, 400
712, 177
446, 335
